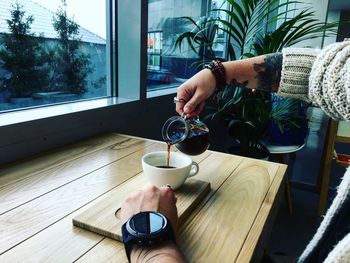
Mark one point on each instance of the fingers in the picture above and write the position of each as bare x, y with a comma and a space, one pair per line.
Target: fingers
168, 194
193, 107
184, 93
168, 207
195, 91
179, 107
197, 111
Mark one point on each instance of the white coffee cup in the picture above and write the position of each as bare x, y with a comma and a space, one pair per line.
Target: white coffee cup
183, 165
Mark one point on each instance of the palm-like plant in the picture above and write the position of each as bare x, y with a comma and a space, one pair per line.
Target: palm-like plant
301, 27
201, 38
247, 30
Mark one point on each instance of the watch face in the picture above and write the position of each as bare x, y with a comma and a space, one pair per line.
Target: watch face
146, 223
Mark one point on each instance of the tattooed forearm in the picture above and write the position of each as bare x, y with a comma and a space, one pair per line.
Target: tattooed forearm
269, 72
236, 83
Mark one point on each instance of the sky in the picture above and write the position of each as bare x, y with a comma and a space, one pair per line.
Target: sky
90, 14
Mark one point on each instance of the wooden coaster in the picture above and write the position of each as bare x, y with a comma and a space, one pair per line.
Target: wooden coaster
104, 217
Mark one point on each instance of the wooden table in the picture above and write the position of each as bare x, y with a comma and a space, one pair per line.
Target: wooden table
40, 196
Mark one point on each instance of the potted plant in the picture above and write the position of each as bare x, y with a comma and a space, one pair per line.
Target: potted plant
246, 113
289, 124
246, 117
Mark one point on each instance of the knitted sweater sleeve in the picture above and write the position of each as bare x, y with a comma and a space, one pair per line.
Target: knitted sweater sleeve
341, 252
342, 249
321, 77
296, 68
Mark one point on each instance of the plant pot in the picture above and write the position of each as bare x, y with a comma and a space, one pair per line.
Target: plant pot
259, 151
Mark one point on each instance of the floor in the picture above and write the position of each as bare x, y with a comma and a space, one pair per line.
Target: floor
291, 233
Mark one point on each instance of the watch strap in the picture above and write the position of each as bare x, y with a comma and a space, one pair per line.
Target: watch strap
126, 240
130, 240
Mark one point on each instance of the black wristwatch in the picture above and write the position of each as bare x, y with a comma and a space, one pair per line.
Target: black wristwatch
146, 229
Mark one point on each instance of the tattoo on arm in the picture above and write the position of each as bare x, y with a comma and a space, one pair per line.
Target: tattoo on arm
269, 72
236, 83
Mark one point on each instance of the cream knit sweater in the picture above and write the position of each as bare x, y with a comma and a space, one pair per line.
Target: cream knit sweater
322, 77
341, 252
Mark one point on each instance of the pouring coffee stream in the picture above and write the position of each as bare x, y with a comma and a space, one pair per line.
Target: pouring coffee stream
190, 136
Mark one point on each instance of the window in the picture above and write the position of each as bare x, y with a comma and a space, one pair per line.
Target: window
154, 50
168, 66
42, 64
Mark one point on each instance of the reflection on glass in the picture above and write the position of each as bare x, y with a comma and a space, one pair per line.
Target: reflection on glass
169, 66
157, 223
47, 57
338, 11
154, 50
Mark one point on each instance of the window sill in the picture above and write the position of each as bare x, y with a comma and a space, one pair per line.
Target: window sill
26, 115
162, 92
32, 114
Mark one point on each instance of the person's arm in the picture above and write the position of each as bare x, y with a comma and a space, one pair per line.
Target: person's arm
262, 72
286, 73
162, 200
167, 252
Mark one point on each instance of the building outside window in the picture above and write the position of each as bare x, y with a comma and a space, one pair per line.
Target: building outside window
167, 65
154, 50
40, 64
172, 66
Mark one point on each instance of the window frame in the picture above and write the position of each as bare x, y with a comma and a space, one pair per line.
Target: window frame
32, 131
21, 115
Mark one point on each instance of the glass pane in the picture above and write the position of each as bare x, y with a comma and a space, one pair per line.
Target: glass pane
168, 65
51, 52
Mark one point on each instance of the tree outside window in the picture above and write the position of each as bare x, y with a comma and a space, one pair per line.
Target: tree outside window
71, 66
23, 57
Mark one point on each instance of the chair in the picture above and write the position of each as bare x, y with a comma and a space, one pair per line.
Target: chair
336, 132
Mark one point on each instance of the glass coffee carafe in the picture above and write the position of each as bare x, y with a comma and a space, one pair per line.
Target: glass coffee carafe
190, 136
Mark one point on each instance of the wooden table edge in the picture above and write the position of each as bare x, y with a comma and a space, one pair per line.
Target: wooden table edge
260, 221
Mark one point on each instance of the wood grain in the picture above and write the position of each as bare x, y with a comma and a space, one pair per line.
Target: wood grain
225, 220
102, 218
32, 217
108, 250
28, 167
63, 242
41, 230
250, 243
215, 169
23, 191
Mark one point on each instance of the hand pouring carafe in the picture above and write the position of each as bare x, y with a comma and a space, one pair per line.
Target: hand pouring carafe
190, 136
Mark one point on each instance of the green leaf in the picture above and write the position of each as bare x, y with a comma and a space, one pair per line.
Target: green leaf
242, 15
234, 17
234, 35
183, 36
231, 52
248, 55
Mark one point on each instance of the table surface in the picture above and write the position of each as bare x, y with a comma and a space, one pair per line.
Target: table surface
40, 196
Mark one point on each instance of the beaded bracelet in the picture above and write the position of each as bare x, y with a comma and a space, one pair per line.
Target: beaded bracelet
219, 73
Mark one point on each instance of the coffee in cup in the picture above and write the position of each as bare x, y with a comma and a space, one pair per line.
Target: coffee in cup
158, 173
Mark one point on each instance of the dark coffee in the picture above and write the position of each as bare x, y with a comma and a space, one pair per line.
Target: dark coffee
164, 166
196, 143
168, 157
